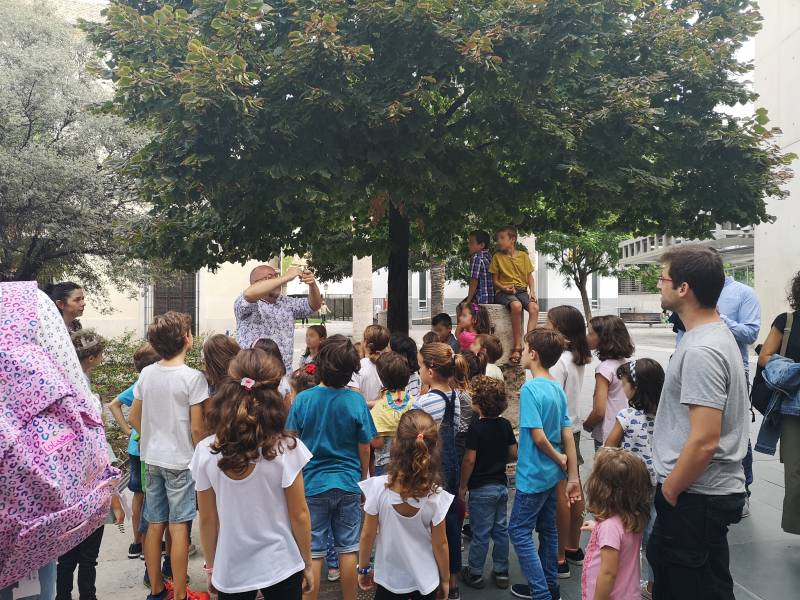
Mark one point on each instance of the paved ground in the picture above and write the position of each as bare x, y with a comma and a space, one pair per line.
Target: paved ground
764, 560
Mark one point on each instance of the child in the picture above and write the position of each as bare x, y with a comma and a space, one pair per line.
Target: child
492, 348
514, 286
568, 371
642, 381
300, 380
392, 404
439, 365
442, 326
481, 286
462, 383
619, 492
144, 357
473, 320
315, 334
546, 455
366, 380
89, 347
218, 352
405, 509
251, 471
168, 412
271, 347
430, 338
491, 445
609, 337
334, 423
407, 347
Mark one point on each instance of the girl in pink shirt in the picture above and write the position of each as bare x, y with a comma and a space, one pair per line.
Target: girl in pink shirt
618, 492
473, 320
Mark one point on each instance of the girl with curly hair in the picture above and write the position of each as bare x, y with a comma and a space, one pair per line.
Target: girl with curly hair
618, 492
405, 509
251, 471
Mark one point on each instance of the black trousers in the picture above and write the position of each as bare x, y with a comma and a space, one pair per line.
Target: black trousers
381, 593
688, 549
290, 588
84, 557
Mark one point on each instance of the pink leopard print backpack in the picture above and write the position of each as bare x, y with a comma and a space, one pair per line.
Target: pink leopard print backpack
55, 479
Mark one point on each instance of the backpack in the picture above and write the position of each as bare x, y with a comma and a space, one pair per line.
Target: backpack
55, 479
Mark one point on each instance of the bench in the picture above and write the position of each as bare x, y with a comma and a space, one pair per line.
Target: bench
645, 318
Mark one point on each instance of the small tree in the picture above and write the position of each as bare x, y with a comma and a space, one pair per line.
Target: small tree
578, 257
64, 209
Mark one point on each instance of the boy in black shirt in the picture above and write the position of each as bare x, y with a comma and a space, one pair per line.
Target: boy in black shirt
490, 446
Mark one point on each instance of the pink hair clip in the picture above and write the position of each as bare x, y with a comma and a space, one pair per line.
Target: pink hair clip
247, 383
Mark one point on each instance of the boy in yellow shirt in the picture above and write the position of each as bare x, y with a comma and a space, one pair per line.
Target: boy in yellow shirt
514, 285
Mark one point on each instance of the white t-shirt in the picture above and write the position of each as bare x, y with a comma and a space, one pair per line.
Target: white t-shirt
493, 371
255, 545
637, 429
570, 376
404, 560
367, 381
167, 393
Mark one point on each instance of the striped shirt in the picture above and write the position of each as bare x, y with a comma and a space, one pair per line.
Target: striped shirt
433, 404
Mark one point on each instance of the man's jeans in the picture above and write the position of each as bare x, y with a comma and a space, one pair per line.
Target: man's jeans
488, 510
536, 511
688, 549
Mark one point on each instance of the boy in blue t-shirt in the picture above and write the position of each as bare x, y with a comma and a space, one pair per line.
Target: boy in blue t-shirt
144, 357
546, 456
335, 424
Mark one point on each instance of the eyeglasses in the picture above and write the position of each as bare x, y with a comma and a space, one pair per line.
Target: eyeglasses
664, 279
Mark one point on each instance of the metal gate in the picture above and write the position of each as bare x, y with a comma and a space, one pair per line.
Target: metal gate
179, 294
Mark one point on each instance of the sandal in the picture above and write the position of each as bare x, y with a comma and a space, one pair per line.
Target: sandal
516, 356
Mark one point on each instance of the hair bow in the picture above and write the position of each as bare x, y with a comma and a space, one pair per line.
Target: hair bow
632, 368
247, 383
310, 368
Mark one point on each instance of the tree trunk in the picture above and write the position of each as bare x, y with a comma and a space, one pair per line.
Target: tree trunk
437, 287
399, 241
587, 305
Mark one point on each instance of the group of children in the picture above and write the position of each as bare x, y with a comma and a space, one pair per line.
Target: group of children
277, 462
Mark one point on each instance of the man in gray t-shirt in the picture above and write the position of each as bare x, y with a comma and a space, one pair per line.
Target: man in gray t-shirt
700, 436
704, 371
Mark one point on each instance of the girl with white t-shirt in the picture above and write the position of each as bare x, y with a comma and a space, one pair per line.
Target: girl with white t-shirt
367, 381
405, 509
642, 381
250, 471
610, 339
569, 372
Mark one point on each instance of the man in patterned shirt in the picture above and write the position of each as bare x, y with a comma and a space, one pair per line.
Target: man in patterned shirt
481, 287
261, 311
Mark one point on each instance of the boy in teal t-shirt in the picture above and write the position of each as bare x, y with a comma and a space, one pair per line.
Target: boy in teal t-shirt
546, 456
335, 424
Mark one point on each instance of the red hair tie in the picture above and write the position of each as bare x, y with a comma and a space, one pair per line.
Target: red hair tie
420, 436
310, 368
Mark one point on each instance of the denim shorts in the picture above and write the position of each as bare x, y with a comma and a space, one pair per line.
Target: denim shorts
339, 512
170, 495
521, 295
135, 482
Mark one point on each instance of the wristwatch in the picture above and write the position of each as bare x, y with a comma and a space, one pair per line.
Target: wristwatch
364, 571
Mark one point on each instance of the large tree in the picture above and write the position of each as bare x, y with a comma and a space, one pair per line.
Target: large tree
341, 127
63, 208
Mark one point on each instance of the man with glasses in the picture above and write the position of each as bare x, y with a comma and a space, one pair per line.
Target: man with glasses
262, 312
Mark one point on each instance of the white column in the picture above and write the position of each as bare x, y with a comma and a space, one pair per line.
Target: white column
362, 295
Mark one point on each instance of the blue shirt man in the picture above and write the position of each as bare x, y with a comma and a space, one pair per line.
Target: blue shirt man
740, 310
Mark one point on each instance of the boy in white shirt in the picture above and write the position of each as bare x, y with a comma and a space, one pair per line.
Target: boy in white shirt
168, 412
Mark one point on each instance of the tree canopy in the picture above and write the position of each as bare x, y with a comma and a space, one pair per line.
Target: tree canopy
390, 128
63, 208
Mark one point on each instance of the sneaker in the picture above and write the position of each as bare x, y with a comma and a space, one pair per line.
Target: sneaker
501, 580
555, 593
563, 570
473, 581
190, 595
192, 549
574, 557
454, 594
466, 531
521, 590
134, 551
746, 508
334, 574
646, 595
166, 594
